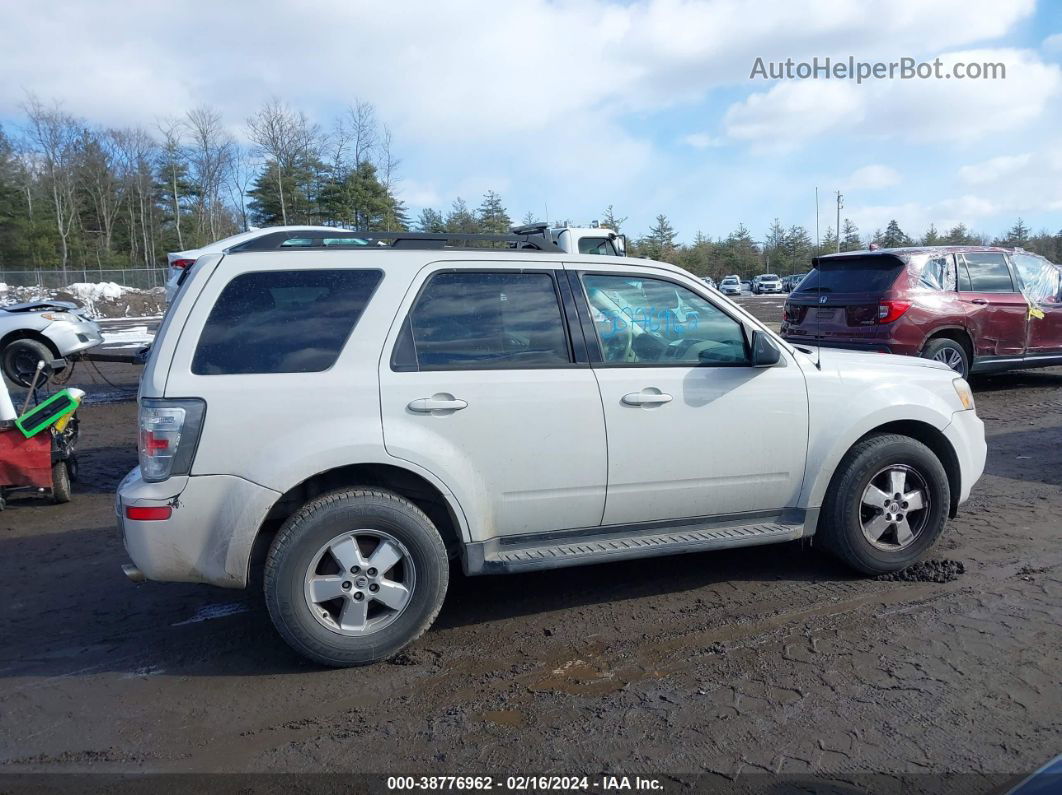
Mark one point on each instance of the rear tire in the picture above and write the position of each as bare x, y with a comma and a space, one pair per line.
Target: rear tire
19, 360
856, 509
950, 353
357, 523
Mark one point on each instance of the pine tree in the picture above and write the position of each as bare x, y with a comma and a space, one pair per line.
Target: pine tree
829, 242
492, 217
797, 251
850, 240
610, 221
660, 242
894, 236
430, 220
959, 235
931, 237
460, 219
1017, 236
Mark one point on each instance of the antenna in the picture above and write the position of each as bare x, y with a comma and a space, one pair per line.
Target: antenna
840, 204
817, 244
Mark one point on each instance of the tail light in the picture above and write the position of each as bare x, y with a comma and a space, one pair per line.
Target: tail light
889, 311
182, 263
794, 313
169, 433
862, 314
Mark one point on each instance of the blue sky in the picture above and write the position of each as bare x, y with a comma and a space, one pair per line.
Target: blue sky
644, 105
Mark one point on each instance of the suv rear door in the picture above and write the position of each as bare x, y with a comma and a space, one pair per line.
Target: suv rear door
1042, 285
483, 383
997, 314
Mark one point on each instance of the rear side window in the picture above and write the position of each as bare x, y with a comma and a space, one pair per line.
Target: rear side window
938, 273
596, 245
986, 272
852, 275
282, 321
476, 320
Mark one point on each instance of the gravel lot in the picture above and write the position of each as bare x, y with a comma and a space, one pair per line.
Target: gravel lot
728, 665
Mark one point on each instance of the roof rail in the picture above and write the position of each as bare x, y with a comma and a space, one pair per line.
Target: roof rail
370, 241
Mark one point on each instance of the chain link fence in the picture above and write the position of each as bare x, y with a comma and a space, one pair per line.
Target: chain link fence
141, 278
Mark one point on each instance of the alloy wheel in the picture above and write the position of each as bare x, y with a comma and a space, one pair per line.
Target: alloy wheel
895, 507
359, 582
952, 358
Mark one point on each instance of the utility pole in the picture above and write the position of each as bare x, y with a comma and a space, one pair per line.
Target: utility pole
840, 204
816, 219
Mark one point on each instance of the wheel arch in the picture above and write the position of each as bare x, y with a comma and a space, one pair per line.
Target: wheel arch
956, 334
438, 505
931, 437
29, 334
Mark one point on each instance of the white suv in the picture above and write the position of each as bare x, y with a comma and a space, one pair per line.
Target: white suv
339, 423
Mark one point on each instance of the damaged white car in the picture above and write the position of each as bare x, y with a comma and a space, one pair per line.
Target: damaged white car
50, 331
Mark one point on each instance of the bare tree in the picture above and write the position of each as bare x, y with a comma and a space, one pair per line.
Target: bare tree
244, 168
54, 136
210, 155
288, 139
100, 174
172, 165
139, 153
387, 163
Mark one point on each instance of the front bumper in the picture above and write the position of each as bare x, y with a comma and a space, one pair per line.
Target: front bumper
70, 338
966, 433
210, 532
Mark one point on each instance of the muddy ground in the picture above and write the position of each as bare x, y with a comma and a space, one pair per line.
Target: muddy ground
729, 665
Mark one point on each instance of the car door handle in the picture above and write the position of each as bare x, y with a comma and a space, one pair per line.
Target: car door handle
646, 398
978, 300
437, 403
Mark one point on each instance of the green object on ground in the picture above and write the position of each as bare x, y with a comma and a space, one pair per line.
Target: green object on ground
47, 413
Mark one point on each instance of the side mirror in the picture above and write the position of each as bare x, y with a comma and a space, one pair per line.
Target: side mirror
764, 352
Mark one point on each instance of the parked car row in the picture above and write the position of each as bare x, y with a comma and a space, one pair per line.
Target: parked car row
978, 309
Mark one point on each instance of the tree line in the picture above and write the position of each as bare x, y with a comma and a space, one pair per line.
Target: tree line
73, 194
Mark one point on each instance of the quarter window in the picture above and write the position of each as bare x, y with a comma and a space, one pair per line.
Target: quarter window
652, 322
987, 273
939, 273
474, 320
596, 245
282, 321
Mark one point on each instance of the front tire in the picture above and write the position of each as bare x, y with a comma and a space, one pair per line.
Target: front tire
20, 358
887, 504
354, 576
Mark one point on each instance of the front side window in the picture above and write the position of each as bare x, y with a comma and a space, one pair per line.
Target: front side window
987, 272
474, 320
282, 321
649, 322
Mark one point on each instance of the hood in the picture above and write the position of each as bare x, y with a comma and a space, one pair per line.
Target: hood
42, 306
842, 359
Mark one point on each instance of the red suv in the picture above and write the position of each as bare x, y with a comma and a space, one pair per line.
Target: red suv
977, 308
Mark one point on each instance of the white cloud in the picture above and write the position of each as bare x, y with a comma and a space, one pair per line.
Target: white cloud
872, 177
1052, 43
1026, 183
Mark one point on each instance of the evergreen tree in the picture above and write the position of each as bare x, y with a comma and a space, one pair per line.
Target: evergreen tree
850, 240
931, 237
959, 235
492, 217
430, 220
797, 251
894, 236
660, 242
1017, 236
828, 244
460, 219
610, 221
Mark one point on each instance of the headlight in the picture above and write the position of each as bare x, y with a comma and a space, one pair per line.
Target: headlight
58, 317
962, 389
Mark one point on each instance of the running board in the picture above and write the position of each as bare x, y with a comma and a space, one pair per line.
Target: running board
598, 545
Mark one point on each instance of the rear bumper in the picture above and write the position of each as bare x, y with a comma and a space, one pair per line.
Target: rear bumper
209, 534
867, 346
966, 433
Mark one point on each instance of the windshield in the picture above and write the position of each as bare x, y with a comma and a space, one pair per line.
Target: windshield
729, 280
769, 277
852, 275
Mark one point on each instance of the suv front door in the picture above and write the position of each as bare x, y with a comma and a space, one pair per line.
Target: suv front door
481, 384
996, 312
693, 429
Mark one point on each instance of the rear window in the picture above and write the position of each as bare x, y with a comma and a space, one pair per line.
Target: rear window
282, 321
854, 275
